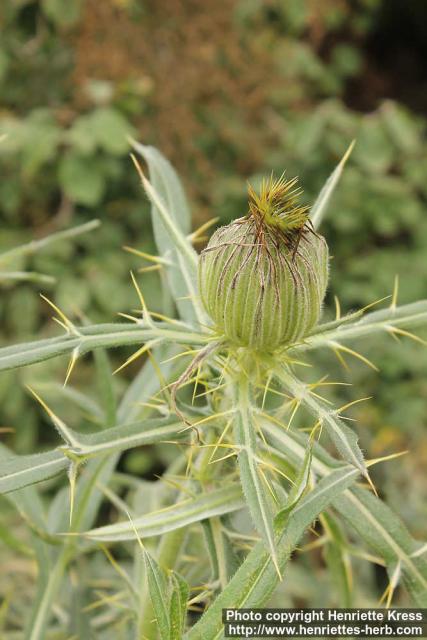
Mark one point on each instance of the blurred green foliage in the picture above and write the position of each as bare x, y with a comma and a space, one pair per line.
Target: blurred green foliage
229, 91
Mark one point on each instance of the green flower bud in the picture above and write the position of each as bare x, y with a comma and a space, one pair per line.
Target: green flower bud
263, 277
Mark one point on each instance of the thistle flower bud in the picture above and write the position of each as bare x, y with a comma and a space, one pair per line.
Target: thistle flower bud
263, 277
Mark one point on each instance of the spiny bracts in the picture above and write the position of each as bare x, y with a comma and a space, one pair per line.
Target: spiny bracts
263, 277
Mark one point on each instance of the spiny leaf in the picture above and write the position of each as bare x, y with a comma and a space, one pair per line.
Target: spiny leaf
181, 514
257, 577
253, 489
90, 338
21, 471
171, 225
319, 208
337, 560
298, 489
376, 523
410, 315
36, 245
157, 586
178, 605
342, 436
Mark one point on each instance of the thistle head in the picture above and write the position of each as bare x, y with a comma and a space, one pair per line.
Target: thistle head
277, 205
263, 277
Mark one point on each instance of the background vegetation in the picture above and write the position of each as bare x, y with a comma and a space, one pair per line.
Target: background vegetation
229, 90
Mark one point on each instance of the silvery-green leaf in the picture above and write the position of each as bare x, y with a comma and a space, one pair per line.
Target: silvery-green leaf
299, 488
178, 605
337, 560
344, 438
319, 208
254, 489
93, 337
21, 471
376, 523
405, 317
158, 589
257, 577
171, 225
181, 514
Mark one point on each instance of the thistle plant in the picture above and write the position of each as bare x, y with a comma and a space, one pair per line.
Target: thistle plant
257, 454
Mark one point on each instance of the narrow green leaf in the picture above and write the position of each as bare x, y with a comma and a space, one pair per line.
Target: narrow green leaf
88, 500
344, 438
257, 577
127, 436
181, 514
90, 338
178, 605
338, 561
407, 316
171, 225
383, 531
37, 245
319, 208
255, 492
21, 471
376, 523
104, 374
87, 503
298, 489
157, 586
27, 500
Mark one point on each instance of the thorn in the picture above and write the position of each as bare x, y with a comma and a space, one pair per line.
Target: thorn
391, 456
66, 322
221, 438
317, 395
373, 304
350, 404
389, 592
154, 267
269, 487
341, 360
129, 317
138, 168
204, 227
214, 416
72, 476
213, 390
189, 352
145, 313
395, 294
266, 389
228, 455
337, 308
294, 411
73, 360
359, 356
122, 573
371, 484
347, 153
419, 552
408, 334
148, 256
58, 423
174, 321
61, 324
271, 466
147, 346
196, 384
